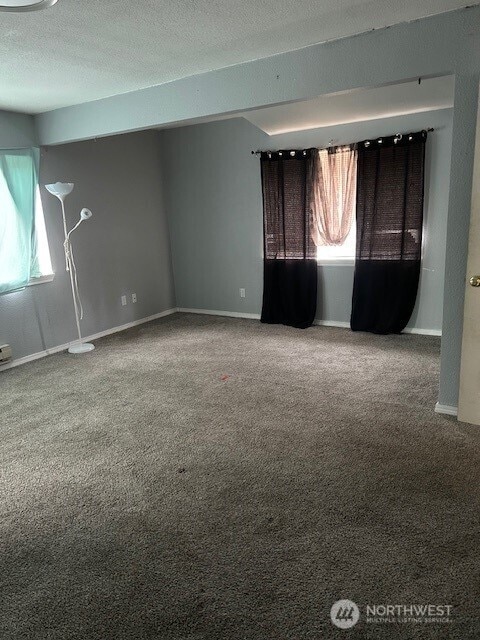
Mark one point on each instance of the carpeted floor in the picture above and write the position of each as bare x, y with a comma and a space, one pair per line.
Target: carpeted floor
143, 496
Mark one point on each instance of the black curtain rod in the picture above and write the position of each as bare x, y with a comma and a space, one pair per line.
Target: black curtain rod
258, 152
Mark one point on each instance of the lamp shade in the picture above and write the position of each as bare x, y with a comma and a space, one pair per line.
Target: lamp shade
25, 5
85, 214
60, 189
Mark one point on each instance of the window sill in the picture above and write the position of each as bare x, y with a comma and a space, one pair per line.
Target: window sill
41, 279
337, 262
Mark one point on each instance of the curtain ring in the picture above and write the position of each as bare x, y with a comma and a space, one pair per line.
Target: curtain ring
367, 143
292, 153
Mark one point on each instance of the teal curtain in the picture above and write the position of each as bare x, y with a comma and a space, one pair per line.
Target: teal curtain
18, 251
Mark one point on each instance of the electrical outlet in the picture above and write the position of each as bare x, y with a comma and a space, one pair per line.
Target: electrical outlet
124, 301
5, 353
134, 297
242, 293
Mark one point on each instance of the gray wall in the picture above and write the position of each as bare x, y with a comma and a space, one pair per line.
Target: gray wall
214, 202
17, 130
124, 248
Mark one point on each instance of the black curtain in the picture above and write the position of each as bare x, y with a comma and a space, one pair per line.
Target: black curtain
290, 266
390, 190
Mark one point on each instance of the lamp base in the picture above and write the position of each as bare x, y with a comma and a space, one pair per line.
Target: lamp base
83, 347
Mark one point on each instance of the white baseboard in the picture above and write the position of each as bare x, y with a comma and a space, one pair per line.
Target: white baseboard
321, 323
62, 347
346, 325
424, 332
256, 316
446, 409
331, 323
227, 314
211, 312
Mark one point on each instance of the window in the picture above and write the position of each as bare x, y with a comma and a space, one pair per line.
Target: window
334, 179
24, 253
339, 254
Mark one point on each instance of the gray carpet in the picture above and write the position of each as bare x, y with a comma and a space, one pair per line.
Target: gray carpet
145, 497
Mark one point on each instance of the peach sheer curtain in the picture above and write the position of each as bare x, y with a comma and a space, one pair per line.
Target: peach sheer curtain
333, 195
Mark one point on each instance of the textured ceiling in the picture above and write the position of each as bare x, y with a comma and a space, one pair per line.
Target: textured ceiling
356, 106
82, 50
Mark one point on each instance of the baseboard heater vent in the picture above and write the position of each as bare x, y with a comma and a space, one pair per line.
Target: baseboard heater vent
5, 353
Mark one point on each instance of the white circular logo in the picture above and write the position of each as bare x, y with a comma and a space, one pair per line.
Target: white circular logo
344, 614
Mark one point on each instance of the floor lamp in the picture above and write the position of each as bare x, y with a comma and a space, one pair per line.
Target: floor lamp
61, 190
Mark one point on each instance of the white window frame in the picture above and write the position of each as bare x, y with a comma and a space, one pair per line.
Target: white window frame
345, 260
47, 274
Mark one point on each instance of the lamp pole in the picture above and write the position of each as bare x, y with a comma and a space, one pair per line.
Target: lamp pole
61, 190
68, 266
